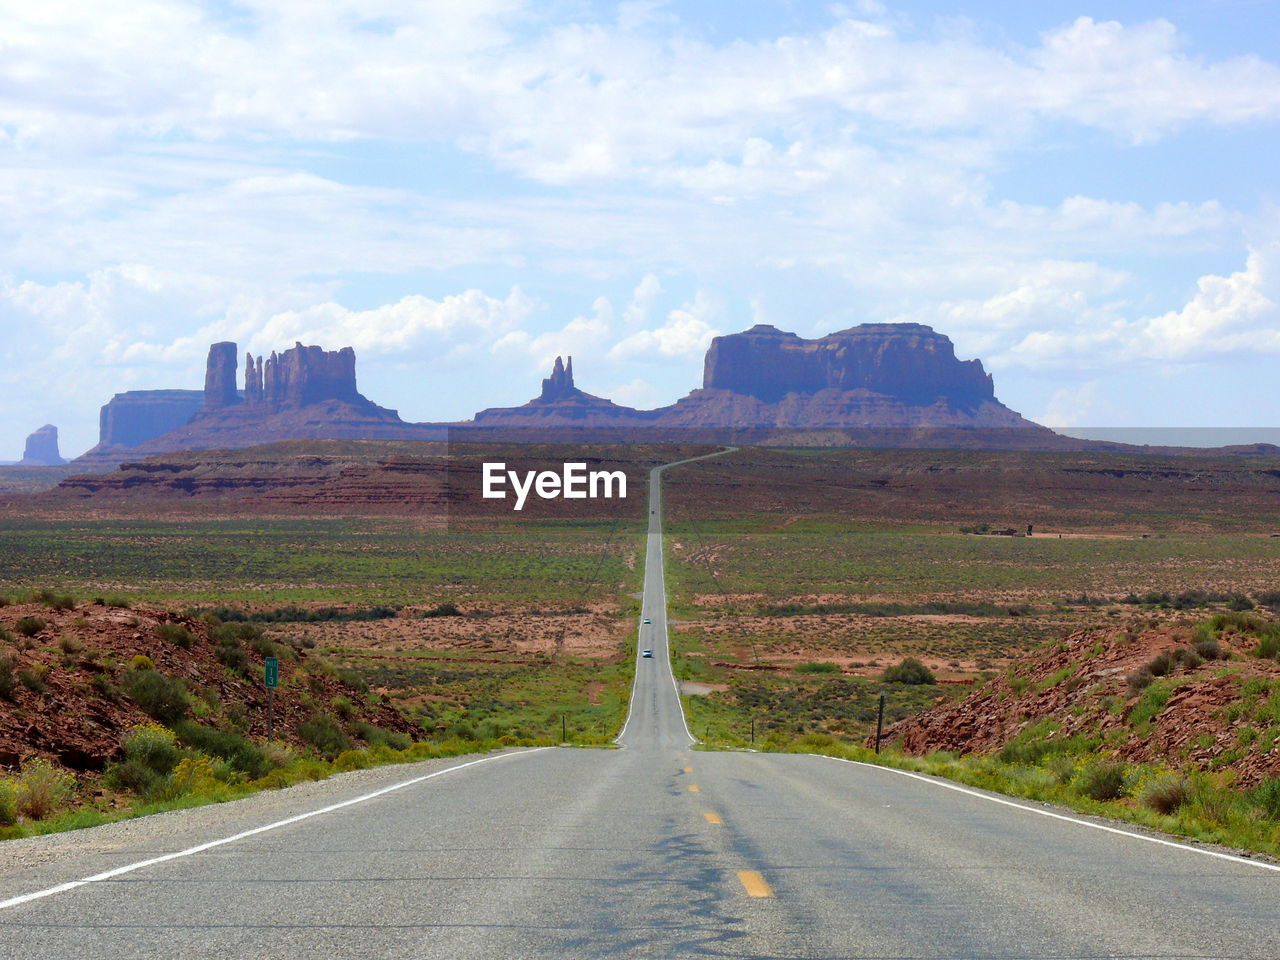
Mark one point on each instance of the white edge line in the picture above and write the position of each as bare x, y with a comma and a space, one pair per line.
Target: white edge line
1261, 864
200, 848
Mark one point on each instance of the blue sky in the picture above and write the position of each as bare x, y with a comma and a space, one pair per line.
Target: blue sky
1084, 195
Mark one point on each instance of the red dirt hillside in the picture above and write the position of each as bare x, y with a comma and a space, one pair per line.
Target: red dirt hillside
1205, 695
68, 681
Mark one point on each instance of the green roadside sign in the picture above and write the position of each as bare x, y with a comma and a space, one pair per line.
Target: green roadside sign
271, 667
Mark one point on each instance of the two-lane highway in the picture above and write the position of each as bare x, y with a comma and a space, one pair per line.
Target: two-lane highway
651, 850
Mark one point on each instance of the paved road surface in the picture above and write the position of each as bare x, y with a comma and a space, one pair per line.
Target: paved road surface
652, 850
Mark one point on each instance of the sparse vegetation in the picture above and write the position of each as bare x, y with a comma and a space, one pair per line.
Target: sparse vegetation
162, 697
29, 626
176, 633
909, 670
326, 735
41, 788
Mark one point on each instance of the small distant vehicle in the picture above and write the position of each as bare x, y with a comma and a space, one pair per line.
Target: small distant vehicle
647, 654
646, 620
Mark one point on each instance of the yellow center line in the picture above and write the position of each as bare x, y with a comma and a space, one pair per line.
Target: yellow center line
713, 817
693, 788
755, 884
688, 769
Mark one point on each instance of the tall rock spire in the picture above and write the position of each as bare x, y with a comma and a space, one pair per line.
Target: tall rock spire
560, 383
220, 376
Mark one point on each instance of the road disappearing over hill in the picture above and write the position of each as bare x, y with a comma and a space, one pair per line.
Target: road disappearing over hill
650, 850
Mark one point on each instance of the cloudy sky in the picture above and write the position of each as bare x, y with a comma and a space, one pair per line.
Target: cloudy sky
1084, 195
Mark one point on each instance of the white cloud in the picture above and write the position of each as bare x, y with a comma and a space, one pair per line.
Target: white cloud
1076, 316
686, 334
1226, 314
394, 328
642, 299
582, 336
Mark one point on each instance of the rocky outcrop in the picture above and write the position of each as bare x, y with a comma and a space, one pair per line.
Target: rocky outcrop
301, 376
306, 392
137, 416
42, 449
220, 377
562, 404
559, 386
909, 362
877, 376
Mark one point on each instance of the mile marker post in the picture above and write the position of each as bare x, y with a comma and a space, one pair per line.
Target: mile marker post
880, 721
271, 676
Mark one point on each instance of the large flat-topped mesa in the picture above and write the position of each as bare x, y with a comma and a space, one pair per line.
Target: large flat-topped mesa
907, 361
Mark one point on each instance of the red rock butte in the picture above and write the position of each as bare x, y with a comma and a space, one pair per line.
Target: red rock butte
877, 384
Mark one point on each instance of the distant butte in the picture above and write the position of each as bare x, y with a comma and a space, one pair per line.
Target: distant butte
875, 385
42, 449
561, 404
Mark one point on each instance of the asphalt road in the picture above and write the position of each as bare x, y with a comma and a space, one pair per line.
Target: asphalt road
652, 850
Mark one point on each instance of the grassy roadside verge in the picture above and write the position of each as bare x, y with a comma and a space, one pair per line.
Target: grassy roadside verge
1199, 806
196, 782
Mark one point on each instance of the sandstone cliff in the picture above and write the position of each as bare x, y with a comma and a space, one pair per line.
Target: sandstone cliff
897, 380
306, 392
301, 376
42, 449
909, 362
137, 416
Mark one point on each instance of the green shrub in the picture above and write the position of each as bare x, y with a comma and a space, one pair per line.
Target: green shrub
176, 633
1037, 750
1152, 702
8, 674
353, 680
54, 601
1209, 649
352, 760
909, 671
277, 754
243, 755
234, 658
446, 609
140, 661
1101, 780
160, 697
152, 746
822, 667
8, 803
326, 735
1164, 793
42, 788
29, 626
1139, 680
130, 776
378, 737
1267, 647
33, 678
269, 648
70, 644
1267, 797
